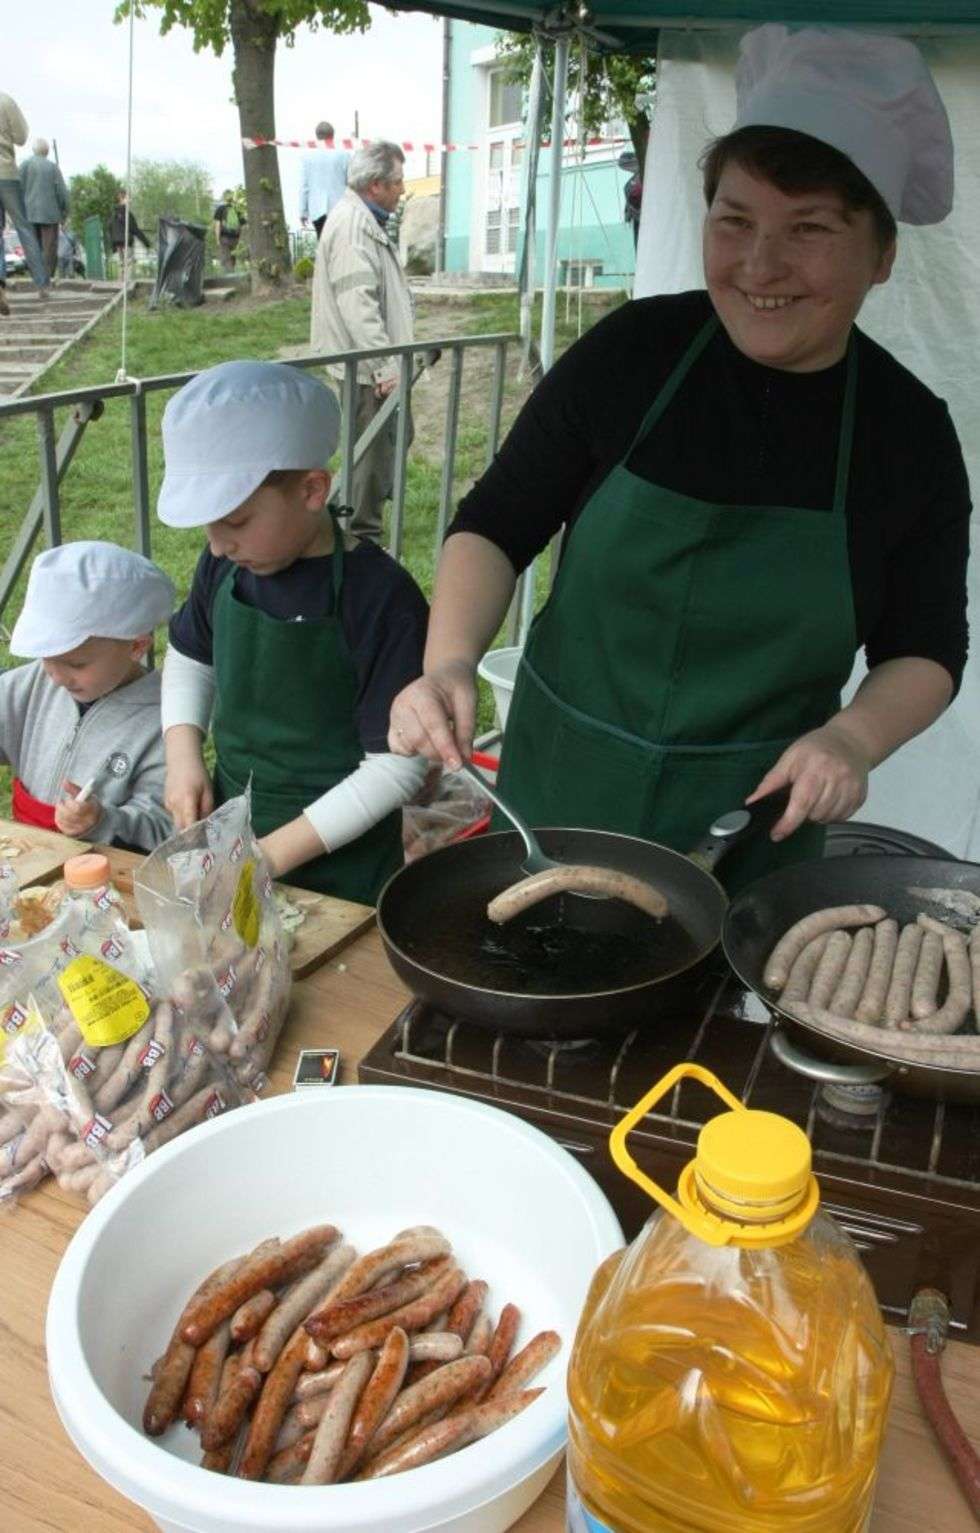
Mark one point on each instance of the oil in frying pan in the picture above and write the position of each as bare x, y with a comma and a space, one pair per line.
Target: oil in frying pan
531, 956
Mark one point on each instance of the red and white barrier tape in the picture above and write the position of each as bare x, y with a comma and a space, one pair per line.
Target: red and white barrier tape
407, 146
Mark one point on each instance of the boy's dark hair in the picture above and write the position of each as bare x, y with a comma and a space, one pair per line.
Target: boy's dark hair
283, 476
795, 162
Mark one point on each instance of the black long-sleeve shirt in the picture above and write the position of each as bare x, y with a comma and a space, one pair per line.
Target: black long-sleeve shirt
738, 433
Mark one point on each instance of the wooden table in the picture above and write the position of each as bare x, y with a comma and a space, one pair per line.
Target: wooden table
47, 1486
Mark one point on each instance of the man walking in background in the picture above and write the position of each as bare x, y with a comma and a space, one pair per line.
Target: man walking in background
45, 200
13, 133
323, 179
227, 223
361, 300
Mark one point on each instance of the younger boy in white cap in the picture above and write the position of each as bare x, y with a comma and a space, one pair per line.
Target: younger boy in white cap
80, 727
295, 638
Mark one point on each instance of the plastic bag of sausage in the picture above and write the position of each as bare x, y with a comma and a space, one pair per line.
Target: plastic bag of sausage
97, 1068
206, 901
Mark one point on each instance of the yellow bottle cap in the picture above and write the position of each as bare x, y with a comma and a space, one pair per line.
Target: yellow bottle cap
88, 871
752, 1165
750, 1183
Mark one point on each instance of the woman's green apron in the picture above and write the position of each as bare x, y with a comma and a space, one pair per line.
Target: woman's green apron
284, 717
683, 647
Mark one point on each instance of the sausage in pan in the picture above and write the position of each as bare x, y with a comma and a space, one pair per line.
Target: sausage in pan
872, 1003
899, 997
925, 984
569, 878
851, 985
792, 942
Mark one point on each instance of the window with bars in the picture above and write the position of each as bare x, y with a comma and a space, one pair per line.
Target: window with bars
580, 273
494, 223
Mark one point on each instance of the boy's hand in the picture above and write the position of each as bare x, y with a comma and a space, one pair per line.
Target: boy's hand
188, 793
74, 819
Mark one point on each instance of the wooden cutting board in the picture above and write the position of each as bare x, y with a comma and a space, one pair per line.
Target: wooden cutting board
35, 855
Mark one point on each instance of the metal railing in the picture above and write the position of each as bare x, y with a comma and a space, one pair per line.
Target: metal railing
87, 405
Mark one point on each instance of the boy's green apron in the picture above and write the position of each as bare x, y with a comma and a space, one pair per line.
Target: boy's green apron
284, 717
683, 647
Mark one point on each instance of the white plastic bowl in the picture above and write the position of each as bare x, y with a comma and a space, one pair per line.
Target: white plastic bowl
499, 668
520, 1212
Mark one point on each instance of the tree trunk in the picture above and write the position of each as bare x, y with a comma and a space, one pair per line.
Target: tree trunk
253, 34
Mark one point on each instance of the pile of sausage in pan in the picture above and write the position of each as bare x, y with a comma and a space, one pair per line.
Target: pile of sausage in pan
302, 1363
853, 973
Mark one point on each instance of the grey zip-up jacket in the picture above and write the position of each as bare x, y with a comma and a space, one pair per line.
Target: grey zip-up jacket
117, 739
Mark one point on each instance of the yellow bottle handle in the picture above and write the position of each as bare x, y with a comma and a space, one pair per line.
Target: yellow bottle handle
707, 1227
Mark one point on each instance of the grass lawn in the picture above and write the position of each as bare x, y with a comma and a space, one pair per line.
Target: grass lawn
96, 493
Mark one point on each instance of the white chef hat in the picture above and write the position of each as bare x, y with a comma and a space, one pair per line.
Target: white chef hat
89, 590
231, 426
869, 95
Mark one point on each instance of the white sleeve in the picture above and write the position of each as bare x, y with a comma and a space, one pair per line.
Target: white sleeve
186, 691
380, 784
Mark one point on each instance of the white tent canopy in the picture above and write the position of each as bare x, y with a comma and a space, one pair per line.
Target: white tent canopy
927, 315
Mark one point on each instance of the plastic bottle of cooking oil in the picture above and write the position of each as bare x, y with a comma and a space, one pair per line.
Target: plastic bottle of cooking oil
731, 1371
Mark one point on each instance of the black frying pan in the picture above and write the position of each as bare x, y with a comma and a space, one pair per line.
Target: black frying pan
569, 967
757, 918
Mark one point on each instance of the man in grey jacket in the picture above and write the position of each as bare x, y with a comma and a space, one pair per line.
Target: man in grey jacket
13, 133
361, 300
45, 200
80, 726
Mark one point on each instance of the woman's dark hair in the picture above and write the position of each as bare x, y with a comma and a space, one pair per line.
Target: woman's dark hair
795, 162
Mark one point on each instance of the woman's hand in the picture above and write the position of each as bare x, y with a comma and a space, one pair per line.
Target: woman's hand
827, 772
435, 716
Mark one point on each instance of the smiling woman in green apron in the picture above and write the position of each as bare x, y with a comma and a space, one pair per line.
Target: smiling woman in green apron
750, 488
294, 638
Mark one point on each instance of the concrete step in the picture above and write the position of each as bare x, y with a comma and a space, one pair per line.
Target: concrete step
19, 351
40, 327
14, 373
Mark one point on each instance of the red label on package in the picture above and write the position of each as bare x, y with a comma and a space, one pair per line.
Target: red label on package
102, 899
236, 852
266, 886
195, 1046
14, 1018
95, 1131
227, 919
262, 1031
110, 949
207, 862
81, 1066
153, 1051
226, 983
69, 949
215, 1104
161, 1107
8, 957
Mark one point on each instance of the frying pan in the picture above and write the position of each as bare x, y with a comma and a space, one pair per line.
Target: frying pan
567, 968
758, 916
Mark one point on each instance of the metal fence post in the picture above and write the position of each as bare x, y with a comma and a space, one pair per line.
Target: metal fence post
141, 473
348, 430
496, 400
401, 454
49, 477
449, 445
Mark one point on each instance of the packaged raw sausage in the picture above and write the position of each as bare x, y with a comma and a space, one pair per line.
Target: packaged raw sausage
206, 901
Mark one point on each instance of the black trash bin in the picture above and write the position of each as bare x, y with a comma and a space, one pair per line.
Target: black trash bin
180, 264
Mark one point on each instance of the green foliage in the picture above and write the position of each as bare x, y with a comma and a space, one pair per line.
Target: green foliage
303, 269
94, 196
613, 82
210, 20
178, 187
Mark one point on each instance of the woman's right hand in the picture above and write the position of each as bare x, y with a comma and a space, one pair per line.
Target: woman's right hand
435, 716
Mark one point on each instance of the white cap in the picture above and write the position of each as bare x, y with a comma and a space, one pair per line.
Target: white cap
871, 96
89, 590
231, 426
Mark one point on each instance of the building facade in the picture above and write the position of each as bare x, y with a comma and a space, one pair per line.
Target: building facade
483, 190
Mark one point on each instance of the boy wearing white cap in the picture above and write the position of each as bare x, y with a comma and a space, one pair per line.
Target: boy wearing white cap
80, 727
294, 639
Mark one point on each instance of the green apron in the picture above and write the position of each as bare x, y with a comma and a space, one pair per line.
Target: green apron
284, 717
684, 645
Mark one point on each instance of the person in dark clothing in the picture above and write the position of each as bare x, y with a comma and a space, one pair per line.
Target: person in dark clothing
117, 229
228, 224
751, 489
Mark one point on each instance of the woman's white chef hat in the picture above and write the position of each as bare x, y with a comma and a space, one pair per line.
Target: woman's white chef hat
231, 426
871, 96
89, 590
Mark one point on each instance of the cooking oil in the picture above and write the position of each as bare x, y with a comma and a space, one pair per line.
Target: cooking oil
731, 1371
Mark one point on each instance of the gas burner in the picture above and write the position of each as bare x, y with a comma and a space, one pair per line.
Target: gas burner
548, 1047
852, 1107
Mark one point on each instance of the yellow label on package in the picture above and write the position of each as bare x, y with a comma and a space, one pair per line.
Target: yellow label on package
108, 1006
245, 906
15, 1021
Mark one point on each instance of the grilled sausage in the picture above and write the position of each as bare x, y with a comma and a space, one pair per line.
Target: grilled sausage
610, 883
527, 1364
851, 985
376, 1401
830, 969
249, 1317
952, 1014
205, 1377
345, 1314
238, 1390
294, 1306
331, 1434
925, 985
411, 1317
792, 942
309, 1385
797, 987
440, 1390
872, 1002
271, 1407
291, 1259
428, 1443
405, 1250
170, 1380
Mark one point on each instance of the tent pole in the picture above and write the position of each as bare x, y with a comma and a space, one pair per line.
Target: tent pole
550, 289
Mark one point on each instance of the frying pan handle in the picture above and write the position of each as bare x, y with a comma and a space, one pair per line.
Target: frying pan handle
821, 1069
731, 829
